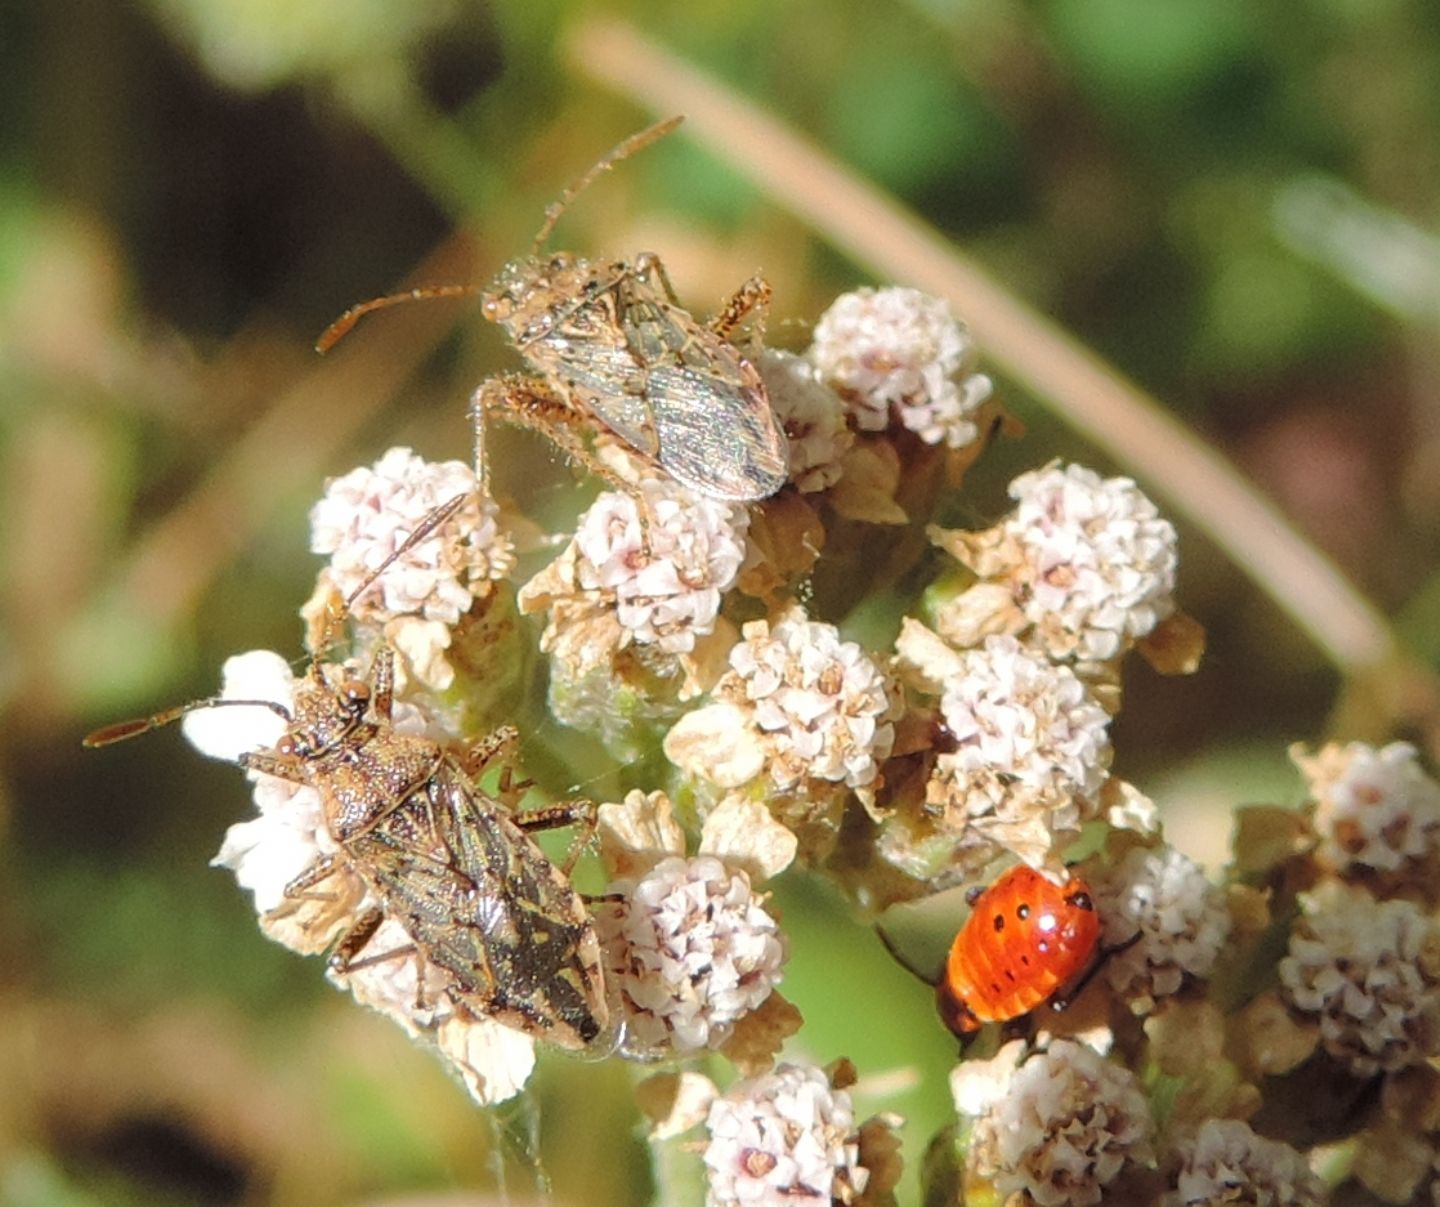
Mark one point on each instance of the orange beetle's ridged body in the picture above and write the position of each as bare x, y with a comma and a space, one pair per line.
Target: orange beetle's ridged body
1026, 937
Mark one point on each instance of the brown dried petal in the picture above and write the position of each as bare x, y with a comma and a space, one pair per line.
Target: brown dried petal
423, 646
1249, 909
867, 489
923, 659
991, 553
674, 1102
1175, 646
637, 834
1267, 835
1187, 1042
981, 611
494, 1061
1412, 1096
703, 665
321, 611
743, 833
880, 1154
716, 743
1391, 1160
309, 926
1267, 1039
758, 1037
786, 536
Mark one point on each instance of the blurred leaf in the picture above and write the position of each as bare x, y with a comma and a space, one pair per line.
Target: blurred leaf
259, 44
1420, 620
909, 125
30, 1179
1137, 54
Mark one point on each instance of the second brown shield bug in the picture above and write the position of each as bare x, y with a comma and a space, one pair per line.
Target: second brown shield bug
461, 874
611, 348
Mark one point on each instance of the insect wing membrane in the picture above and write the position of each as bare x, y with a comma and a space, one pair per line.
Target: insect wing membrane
715, 436
543, 949
605, 378
704, 414
486, 905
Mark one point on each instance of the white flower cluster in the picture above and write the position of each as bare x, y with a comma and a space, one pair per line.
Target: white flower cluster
1064, 1126
691, 949
900, 350
821, 702
666, 558
1031, 748
1158, 900
1227, 1163
1100, 562
1371, 971
785, 1137
797, 703
812, 416
1373, 808
369, 513
659, 559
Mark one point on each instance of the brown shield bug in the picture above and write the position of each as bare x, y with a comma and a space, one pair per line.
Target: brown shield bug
461, 873
609, 344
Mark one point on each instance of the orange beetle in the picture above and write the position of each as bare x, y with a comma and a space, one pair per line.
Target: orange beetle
1026, 938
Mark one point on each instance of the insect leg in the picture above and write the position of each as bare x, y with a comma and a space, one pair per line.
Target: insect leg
476, 757
1067, 994
322, 869
649, 267
754, 296
352, 942
530, 402
479, 754
579, 812
292, 770
342, 959
382, 683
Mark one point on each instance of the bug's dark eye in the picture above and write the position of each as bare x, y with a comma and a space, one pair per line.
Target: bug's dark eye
559, 262
1081, 901
286, 746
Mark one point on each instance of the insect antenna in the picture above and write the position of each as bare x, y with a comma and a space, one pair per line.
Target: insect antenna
341, 327
122, 731
429, 522
622, 151
337, 330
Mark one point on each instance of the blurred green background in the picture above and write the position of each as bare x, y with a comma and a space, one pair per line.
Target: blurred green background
1237, 204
